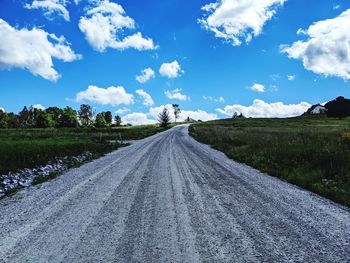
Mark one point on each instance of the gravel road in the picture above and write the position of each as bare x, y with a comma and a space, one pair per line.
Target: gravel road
168, 198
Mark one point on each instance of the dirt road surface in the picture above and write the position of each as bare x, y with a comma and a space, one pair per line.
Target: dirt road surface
168, 198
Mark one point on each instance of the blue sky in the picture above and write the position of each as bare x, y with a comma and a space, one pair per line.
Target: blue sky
206, 70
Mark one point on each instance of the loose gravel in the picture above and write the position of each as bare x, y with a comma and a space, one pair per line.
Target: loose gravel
168, 198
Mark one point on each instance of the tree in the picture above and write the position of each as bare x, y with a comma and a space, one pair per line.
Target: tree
86, 114
13, 120
177, 111
56, 114
108, 117
118, 120
68, 118
164, 118
100, 121
3, 119
33, 115
43, 120
24, 117
339, 108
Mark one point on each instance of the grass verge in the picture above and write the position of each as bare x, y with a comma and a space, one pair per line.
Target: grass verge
313, 153
28, 148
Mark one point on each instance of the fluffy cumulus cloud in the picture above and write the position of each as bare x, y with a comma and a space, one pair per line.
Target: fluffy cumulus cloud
256, 87
326, 50
109, 96
50, 8
171, 70
147, 99
138, 118
105, 26
176, 94
261, 109
33, 49
238, 20
145, 75
38, 107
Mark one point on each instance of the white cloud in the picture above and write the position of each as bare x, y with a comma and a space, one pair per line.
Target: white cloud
261, 109
258, 88
2, 109
109, 96
122, 110
50, 7
210, 98
38, 107
105, 25
336, 7
291, 77
33, 49
145, 75
151, 117
137, 118
196, 115
238, 20
171, 70
326, 51
176, 94
147, 99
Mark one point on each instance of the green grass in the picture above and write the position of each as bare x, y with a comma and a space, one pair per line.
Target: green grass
28, 148
313, 153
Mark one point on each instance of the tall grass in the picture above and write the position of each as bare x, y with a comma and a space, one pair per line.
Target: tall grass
28, 148
313, 153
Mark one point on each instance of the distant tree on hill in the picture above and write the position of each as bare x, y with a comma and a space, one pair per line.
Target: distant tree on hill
3, 119
164, 118
338, 108
100, 121
57, 117
177, 111
24, 117
56, 114
68, 118
108, 117
86, 114
117, 120
43, 120
238, 116
13, 120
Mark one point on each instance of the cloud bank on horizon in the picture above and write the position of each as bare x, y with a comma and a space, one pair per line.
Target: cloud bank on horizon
122, 49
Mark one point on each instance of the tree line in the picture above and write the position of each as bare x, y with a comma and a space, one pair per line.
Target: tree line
55, 117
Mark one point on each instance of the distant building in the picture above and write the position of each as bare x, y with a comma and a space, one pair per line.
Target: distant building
317, 109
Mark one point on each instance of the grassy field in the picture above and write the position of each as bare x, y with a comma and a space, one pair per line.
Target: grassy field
28, 148
313, 153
